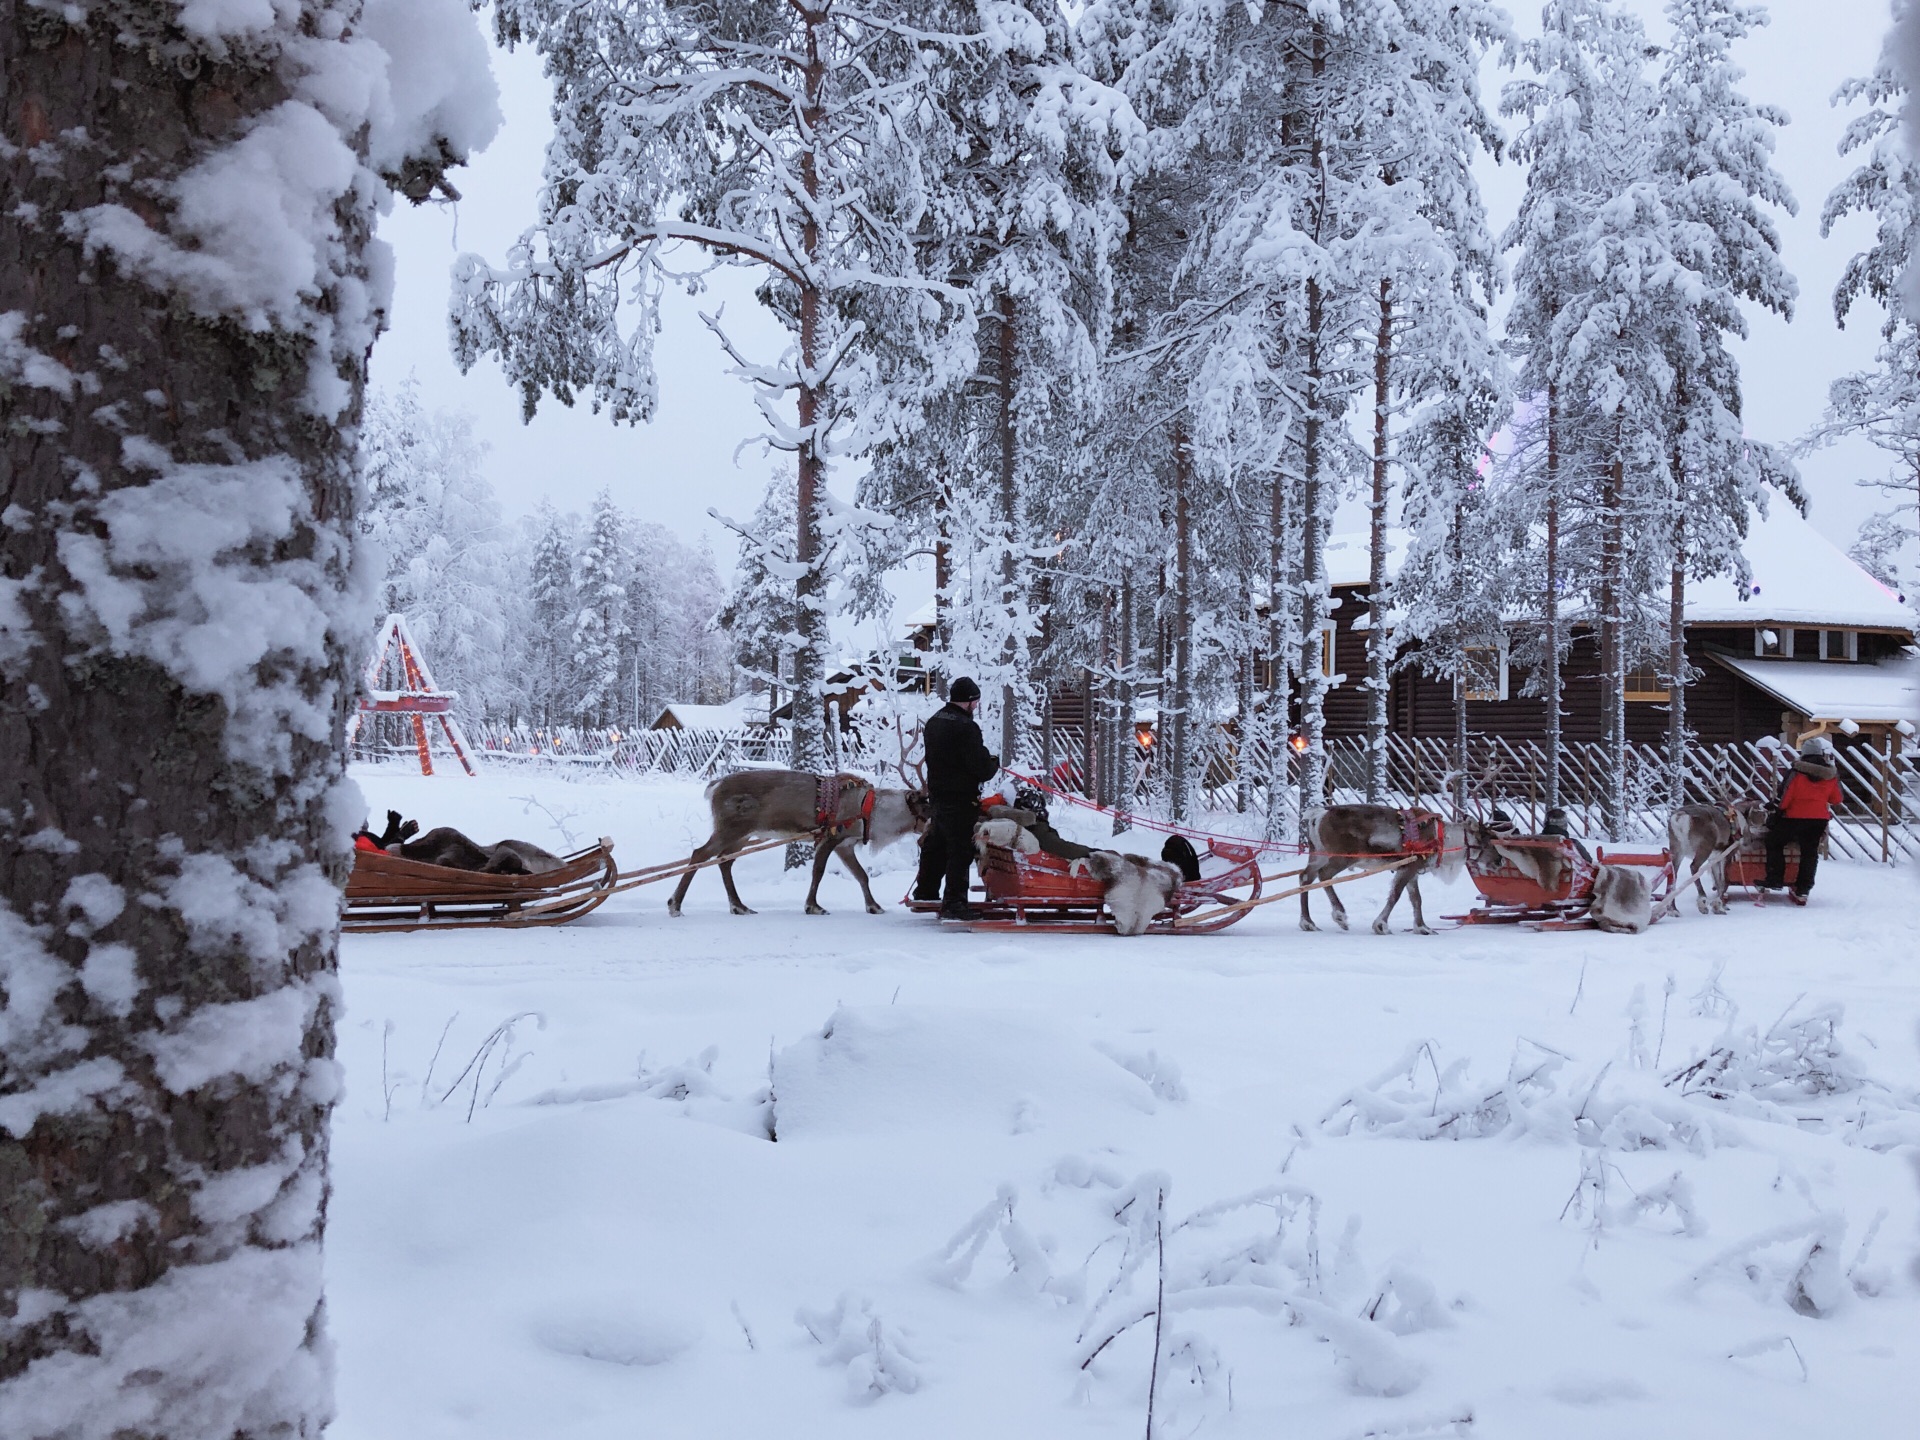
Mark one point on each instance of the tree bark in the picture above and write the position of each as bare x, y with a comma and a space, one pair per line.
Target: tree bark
1177, 739
1279, 656
1313, 580
1009, 524
1612, 638
1551, 607
1379, 642
809, 731
1677, 668
178, 624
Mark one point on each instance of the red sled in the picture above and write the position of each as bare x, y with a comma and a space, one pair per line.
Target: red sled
1041, 892
1555, 891
1747, 867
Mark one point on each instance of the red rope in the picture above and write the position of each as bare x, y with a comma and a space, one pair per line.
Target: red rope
1148, 822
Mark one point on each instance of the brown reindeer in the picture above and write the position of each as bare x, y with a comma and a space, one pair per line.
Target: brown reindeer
446, 846
1706, 837
1348, 835
785, 805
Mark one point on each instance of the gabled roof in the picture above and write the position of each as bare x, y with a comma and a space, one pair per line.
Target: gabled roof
1885, 694
1799, 578
730, 716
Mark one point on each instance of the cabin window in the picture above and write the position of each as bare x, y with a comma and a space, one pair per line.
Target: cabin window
1326, 653
1839, 645
1483, 672
1773, 643
1644, 686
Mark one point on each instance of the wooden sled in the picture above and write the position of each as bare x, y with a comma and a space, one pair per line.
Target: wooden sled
1510, 895
1747, 867
1040, 893
385, 892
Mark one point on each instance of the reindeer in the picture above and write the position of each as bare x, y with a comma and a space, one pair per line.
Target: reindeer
1345, 835
446, 846
1707, 836
1544, 864
786, 804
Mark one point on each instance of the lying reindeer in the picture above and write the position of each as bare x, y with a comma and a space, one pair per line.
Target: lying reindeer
446, 846
786, 805
1348, 835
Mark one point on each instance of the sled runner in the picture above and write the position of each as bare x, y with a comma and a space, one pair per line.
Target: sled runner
1041, 892
386, 892
1546, 881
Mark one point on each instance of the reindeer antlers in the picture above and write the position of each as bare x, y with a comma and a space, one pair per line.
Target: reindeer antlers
912, 772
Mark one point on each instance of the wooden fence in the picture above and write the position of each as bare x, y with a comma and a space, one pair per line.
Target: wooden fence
1879, 821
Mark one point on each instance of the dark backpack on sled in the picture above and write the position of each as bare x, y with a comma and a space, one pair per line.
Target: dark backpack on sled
1179, 853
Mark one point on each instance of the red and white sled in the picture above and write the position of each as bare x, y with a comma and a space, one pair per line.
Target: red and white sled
1041, 892
1509, 895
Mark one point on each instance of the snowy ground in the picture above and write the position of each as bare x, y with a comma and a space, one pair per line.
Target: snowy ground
588, 1233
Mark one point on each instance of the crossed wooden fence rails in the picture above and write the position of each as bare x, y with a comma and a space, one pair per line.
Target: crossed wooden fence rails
1880, 820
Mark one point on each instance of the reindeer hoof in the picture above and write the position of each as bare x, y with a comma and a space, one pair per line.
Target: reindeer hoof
1379, 928
1423, 930
742, 910
673, 908
813, 909
874, 907
1306, 924
1341, 921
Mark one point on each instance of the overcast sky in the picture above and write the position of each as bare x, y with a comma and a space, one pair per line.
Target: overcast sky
684, 462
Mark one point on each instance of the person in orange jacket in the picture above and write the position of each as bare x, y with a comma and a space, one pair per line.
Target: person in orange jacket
1813, 789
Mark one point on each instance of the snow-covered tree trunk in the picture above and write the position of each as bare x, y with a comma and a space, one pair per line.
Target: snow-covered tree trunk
187, 297
1279, 655
1613, 650
1677, 671
1313, 571
1379, 641
1550, 602
1009, 515
1179, 730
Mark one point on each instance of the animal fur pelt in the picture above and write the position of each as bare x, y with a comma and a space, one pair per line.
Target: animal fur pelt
1622, 899
1135, 888
1007, 833
446, 846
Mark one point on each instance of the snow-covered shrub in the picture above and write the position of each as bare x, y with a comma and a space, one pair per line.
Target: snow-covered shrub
875, 1355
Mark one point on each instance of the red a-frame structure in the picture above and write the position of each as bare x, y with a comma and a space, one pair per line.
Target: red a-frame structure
396, 656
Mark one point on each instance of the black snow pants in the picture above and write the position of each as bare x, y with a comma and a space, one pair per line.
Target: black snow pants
946, 854
1804, 833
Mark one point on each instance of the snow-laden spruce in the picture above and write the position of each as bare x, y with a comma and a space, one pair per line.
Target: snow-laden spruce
190, 295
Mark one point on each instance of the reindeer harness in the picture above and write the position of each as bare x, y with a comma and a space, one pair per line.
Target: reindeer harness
826, 806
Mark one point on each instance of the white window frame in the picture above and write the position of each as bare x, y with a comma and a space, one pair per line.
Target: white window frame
1785, 634
1505, 686
1850, 640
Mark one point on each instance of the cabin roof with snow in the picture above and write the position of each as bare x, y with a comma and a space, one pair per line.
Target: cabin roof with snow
1799, 578
1883, 694
731, 716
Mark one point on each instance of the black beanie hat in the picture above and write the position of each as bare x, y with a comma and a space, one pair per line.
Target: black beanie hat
964, 690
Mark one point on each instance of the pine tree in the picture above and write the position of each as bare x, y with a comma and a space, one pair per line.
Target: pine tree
552, 610
758, 616
432, 514
600, 616
1883, 404
780, 138
188, 291
1715, 163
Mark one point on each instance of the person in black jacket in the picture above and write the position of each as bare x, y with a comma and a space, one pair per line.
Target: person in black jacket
958, 764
